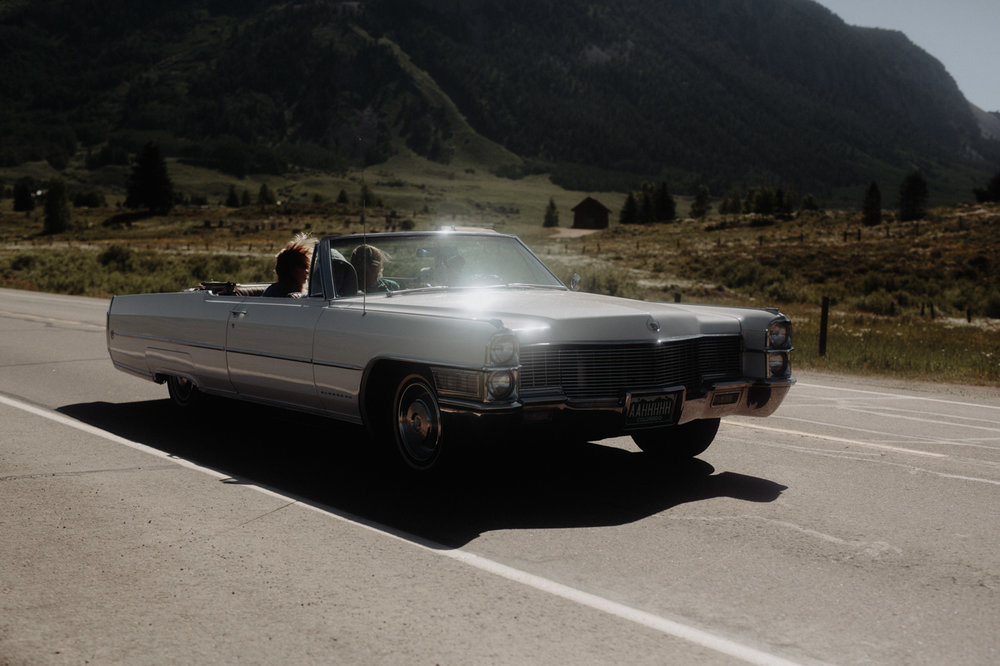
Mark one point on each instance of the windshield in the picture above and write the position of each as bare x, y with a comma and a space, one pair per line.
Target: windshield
397, 262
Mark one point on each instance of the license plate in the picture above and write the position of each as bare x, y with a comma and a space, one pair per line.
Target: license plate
650, 409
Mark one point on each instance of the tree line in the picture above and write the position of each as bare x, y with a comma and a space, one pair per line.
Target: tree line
654, 203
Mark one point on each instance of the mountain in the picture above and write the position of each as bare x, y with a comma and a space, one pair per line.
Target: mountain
729, 93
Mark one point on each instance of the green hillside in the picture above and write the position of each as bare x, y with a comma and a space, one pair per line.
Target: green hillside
602, 96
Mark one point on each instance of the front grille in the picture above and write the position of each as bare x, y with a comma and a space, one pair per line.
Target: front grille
606, 371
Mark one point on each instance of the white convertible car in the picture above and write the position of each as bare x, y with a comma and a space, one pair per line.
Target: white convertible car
466, 333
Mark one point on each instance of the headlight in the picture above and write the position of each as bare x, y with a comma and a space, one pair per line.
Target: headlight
503, 349
777, 364
500, 384
779, 335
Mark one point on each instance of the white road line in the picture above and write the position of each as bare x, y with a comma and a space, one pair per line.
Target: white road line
842, 440
895, 438
957, 418
51, 320
673, 628
887, 414
898, 395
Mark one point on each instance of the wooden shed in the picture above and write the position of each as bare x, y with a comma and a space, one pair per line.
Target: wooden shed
590, 214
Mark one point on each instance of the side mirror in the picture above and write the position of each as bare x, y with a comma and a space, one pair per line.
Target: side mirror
574, 282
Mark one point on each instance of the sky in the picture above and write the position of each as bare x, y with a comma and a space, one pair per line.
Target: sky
963, 34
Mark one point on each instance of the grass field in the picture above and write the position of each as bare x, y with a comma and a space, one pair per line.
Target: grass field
917, 299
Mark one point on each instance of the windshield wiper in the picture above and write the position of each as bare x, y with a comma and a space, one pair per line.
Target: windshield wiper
415, 290
527, 285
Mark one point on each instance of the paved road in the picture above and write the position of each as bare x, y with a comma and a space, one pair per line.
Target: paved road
859, 524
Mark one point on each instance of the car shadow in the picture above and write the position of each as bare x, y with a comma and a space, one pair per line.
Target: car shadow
490, 486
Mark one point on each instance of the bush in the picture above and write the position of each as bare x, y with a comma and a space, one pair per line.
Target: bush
992, 306
611, 283
57, 213
22, 262
879, 302
89, 199
116, 257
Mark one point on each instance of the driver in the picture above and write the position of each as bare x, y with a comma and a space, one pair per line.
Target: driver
368, 261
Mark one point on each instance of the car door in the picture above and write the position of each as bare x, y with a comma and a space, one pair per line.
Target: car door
269, 349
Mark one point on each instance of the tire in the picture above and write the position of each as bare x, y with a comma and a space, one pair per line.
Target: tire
680, 442
416, 423
184, 392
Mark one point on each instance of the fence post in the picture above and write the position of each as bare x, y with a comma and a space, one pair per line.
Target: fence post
824, 319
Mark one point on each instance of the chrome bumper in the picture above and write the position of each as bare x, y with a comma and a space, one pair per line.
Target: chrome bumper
606, 418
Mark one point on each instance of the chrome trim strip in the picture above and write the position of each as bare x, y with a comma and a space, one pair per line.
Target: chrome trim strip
631, 341
477, 407
279, 357
690, 409
341, 366
244, 352
173, 341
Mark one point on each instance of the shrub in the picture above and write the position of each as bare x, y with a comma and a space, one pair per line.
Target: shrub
89, 199
23, 262
611, 283
992, 306
116, 257
879, 302
57, 213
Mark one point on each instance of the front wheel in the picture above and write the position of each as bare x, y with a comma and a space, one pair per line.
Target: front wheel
677, 442
183, 391
416, 426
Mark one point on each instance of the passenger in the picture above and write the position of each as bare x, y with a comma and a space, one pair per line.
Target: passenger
368, 261
453, 271
292, 268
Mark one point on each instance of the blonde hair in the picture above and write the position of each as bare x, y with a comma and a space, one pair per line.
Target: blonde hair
368, 255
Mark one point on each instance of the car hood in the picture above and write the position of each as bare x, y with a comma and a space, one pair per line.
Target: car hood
551, 315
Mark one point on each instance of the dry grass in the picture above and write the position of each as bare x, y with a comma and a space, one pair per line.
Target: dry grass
917, 299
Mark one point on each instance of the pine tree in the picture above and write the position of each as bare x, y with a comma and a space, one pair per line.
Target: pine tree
265, 197
24, 195
551, 215
871, 213
702, 203
732, 204
232, 199
645, 206
630, 210
809, 203
764, 201
991, 192
149, 185
913, 193
56, 207
664, 206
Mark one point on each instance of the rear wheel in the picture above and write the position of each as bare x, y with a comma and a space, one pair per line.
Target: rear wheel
183, 391
416, 422
679, 442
